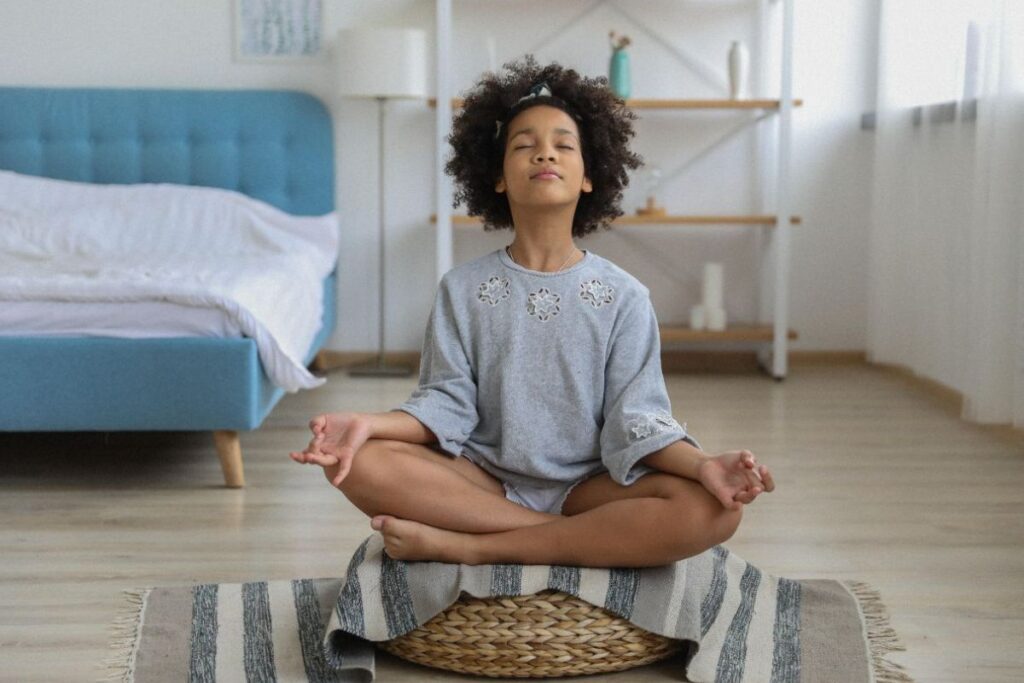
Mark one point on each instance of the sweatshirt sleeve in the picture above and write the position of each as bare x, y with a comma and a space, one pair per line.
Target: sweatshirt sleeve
445, 400
637, 414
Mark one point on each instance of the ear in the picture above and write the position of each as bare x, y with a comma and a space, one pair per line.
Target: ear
587, 185
499, 186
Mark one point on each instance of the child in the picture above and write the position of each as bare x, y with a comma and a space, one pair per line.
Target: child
541, 430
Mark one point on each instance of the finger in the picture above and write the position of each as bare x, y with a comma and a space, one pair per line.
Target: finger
321, 459
340, 477
744, 496
766, 477
727, 503
316, 424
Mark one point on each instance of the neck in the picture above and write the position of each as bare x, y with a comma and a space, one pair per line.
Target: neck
543, 242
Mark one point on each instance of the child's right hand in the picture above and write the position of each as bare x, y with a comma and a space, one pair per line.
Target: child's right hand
336, 439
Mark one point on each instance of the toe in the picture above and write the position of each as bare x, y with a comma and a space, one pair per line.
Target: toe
378, 521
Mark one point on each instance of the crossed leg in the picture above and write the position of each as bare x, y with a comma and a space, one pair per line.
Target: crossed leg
415, 482
431, 506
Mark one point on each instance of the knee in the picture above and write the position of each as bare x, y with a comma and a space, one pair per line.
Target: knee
726, 522
712, 523
371, 466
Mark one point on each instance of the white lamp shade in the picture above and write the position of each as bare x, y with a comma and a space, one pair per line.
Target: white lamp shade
382, 62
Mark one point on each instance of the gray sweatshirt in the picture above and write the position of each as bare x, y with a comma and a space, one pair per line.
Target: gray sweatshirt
545, 378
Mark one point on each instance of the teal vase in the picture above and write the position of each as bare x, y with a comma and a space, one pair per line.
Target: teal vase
618, 73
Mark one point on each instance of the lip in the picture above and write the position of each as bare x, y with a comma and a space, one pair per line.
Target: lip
546, 174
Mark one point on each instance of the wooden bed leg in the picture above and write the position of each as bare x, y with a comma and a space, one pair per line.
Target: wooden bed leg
229, 450
322, 362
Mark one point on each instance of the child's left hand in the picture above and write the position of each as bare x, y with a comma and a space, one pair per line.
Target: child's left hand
735, 478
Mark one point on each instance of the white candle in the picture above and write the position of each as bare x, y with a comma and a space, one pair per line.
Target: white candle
697, 317
716, 319
712, 290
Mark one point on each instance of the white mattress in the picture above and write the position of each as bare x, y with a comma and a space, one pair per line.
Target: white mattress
135, 320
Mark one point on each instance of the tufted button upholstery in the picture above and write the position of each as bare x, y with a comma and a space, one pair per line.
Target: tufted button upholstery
273, 145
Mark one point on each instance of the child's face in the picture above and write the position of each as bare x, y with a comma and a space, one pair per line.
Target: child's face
540, 138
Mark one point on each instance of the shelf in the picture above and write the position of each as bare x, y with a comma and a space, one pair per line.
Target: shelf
678, 104
770, 329
662, 220
676, 333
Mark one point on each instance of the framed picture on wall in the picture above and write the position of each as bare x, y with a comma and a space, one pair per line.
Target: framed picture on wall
278, 30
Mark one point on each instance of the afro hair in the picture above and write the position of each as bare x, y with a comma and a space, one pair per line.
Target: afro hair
605, 125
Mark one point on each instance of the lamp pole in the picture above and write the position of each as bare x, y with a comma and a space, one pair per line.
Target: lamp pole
379, 367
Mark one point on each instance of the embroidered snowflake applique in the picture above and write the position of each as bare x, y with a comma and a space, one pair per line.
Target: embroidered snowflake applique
494, 290
650, 424
595, 293
543, 304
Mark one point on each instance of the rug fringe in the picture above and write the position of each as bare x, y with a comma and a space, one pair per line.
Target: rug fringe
882, 638
125, 635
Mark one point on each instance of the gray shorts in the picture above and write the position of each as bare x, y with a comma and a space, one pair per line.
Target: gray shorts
548, 499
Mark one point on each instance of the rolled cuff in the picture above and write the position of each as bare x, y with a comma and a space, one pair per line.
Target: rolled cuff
624, 466
448, 442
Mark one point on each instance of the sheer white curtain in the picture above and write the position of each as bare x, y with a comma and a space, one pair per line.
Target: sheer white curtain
946, 254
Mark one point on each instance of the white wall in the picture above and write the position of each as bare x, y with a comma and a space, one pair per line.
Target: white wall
189, 44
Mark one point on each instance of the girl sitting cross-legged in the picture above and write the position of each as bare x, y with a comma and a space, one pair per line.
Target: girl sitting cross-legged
541, 430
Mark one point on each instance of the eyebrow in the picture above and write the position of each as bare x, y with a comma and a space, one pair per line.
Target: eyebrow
560, 131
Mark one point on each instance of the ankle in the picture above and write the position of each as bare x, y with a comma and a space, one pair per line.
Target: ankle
471, 550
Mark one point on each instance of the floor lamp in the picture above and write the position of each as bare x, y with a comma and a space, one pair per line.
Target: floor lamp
382, 64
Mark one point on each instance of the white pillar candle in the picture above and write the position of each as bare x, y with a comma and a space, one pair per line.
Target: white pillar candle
716, 319
697, 317
712, 290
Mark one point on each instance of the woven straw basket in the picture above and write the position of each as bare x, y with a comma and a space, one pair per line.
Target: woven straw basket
530, 636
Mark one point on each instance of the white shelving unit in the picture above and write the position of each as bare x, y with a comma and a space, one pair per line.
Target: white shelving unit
773, 301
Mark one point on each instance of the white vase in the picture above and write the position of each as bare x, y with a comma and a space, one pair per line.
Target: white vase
739, 69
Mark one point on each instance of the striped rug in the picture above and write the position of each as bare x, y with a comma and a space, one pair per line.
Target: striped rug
744, 625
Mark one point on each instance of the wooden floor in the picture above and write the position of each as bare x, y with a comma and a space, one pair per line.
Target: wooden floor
877, 481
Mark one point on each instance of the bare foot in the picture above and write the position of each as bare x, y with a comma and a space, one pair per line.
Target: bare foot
405, 539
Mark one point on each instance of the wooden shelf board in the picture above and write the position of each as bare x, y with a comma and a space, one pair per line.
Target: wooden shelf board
647, 103
461, 220
675, 333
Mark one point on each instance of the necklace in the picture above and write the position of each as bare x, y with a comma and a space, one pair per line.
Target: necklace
508, 250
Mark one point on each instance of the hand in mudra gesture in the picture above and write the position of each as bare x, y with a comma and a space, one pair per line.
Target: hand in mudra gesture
336, 438
735, 478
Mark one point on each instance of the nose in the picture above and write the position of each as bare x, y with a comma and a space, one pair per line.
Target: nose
546, 156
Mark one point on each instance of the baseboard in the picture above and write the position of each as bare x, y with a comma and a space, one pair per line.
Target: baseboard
327, 360
950, 399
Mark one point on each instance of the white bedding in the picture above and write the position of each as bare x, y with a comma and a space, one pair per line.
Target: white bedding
192, 247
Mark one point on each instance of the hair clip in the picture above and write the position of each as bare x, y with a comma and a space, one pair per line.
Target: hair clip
539, 90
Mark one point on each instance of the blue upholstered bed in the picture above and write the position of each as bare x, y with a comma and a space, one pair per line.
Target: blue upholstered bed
276, 146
